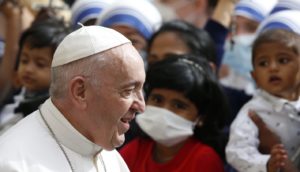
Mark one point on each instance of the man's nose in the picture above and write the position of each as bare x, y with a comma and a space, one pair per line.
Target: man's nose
139, 102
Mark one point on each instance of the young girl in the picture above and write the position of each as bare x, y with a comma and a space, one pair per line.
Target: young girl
183, 118
178, 37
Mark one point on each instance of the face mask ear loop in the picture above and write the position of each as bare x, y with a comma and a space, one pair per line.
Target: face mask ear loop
198, 122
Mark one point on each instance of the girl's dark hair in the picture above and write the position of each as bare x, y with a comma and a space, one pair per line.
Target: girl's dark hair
198, 40
193, 77
45, 33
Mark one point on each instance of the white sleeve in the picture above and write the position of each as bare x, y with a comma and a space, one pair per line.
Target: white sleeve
242, 148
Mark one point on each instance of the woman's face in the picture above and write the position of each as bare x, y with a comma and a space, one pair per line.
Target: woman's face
245, 26
166, 43
173, 101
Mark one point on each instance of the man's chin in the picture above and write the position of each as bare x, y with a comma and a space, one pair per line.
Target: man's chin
118, 140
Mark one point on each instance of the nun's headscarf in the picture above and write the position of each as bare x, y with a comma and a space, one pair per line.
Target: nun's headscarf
84, 10
138, 14
286, 5
288, 20
255, 10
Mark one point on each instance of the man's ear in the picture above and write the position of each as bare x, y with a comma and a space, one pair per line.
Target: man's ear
77, 91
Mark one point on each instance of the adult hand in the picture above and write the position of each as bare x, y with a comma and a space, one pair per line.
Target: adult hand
266, 137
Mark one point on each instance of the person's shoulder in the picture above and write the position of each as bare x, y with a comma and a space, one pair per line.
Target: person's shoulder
113, 160
22, 133
136, 144
206, 154
202, 148
256, 102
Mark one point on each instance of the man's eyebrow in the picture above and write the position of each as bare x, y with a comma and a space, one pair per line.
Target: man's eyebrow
131, 83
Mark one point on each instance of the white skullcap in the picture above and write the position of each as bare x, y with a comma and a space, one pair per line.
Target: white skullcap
138, 14
254, 9
84, 10
288, 20
86, 41
286, 5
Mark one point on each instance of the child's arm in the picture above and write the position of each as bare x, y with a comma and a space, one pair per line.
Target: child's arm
267, 139
242, 149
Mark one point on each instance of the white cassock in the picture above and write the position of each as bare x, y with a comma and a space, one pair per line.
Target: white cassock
30, 147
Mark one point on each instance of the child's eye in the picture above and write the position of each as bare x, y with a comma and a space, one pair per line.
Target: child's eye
262, 63
41, 65
283, 60
24, 60
180, 105
155, 99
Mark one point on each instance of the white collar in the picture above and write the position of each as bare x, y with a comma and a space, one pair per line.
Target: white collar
66, 134
276, 102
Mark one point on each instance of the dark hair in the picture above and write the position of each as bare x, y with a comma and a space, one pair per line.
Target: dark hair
287, 38
198, 40
193, 77
212, 4
45, 33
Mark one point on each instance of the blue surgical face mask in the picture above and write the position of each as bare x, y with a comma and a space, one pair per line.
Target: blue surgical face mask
1, 48
238, 54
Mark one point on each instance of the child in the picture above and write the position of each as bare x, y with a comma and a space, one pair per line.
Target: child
235, 71
178, 37
181, 119
37, 45
276, 70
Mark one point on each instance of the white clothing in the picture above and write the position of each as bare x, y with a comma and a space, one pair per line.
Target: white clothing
242, 149
29, 147
235, 81
8, 117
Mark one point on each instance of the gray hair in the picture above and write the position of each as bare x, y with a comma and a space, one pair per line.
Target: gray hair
86, 67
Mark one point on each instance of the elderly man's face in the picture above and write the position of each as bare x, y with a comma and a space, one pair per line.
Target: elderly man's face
114, 104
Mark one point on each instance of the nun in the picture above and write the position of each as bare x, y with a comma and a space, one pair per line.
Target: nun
136, 20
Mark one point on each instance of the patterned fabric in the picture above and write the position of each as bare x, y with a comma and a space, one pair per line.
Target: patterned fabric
286, 5
140, 15
280, 115
288, 20
84, 10
254, 9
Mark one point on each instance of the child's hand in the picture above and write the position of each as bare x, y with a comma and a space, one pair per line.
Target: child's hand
10, 8
278, 158
267, 138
